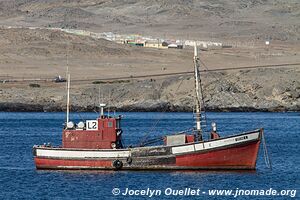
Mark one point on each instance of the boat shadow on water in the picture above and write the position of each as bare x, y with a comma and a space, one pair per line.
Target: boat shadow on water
170, 172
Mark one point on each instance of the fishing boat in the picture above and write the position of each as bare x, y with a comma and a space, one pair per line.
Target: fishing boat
97, 145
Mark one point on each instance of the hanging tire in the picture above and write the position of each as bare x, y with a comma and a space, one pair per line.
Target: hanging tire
118, 164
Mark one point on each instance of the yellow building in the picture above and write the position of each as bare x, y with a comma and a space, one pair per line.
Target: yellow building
155, 44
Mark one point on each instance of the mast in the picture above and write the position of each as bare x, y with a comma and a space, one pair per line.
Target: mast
68, 97
197, 92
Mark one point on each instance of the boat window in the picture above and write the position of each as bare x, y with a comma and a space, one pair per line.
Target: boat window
109, 124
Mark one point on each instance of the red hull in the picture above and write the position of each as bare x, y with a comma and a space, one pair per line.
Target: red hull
232, 152
237, 156
47, 163
243, 157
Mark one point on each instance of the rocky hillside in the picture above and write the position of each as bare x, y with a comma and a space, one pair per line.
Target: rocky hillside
190, 19
245, 90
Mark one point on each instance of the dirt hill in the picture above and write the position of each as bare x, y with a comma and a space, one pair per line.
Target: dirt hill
189, 19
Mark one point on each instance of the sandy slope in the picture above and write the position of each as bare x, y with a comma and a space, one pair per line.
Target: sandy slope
26, 53
33, 54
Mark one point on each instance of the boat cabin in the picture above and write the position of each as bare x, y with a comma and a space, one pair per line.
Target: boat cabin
102, 133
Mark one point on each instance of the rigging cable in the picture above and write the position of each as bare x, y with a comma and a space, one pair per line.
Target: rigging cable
159, 118
235, 99
265, 150
266, 155
225, 81
203, 106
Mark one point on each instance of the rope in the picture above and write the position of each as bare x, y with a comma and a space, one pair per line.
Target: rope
266, 155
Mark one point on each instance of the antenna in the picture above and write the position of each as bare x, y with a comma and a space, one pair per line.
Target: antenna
102, 105
67, 72
68, 86
68, 97
197, 91
99, 100
108, 107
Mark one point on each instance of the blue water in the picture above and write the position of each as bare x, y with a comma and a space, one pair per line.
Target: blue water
19, 179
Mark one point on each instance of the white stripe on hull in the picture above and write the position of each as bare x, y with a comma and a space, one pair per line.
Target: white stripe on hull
81, 154
189, 148
215, 144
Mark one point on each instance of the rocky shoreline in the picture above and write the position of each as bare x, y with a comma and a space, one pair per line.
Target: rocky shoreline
23, 107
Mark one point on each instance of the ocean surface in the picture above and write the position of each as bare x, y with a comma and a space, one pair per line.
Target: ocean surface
20, 180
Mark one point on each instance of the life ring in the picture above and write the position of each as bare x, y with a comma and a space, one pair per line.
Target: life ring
129, 160
113, 145
118, 164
